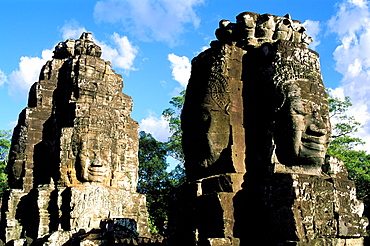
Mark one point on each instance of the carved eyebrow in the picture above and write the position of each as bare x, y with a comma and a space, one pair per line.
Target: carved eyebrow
300, 107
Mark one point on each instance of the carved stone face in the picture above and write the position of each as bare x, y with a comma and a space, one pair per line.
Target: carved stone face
93, 163
248, 24
284, 29
265, 27
302, 127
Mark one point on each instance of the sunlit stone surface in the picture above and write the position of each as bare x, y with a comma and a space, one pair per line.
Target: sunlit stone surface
73, 163
255, 135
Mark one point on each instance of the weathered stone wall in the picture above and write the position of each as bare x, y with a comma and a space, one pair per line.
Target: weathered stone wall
214, 144
256, 131
212, 117
73, 163
255, 134
299, 208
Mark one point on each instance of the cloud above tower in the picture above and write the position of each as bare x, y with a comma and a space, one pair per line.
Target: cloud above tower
159, 20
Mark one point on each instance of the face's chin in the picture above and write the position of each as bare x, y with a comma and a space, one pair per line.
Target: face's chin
301, 149
312, 150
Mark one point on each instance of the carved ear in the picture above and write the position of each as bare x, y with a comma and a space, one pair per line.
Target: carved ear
76, 144
280, 96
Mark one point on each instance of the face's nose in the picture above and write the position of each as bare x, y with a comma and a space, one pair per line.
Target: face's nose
96, 161
317, 125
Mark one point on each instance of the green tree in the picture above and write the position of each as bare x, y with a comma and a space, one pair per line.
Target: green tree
174, 144
343, 146
344, 126
5, 137
153, 178
177, 176
173, 114
158, 188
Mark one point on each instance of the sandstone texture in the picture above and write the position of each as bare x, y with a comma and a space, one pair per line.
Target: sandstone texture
73, 164
255, 133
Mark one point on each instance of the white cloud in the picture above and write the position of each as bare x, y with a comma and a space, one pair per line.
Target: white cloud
355, 68
351, 24
181, 68
349, 19
204, 48
121, 53
3, 78
12, 124
359, 3
29, 67
337, 93
158, 127
160, 20
28, 72
361, 114
72, 30
313, 30
360, 111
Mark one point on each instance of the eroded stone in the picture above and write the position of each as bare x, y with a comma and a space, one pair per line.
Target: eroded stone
73, 164
255, 134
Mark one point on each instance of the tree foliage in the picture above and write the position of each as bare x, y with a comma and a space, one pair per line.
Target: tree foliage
172, 114
154, 179
158, 184
152, 161
343, 146
344, 125
5, 142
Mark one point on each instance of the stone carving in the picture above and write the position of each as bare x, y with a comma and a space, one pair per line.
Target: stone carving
265, 27
212, 114
254, 29
255, 134
307, 139
93, 162
219, 90
302, 127
73, 163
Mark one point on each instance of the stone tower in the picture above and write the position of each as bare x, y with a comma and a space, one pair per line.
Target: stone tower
255, 133
73, 163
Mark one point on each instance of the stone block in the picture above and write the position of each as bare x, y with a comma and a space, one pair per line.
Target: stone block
74, 156
222, 183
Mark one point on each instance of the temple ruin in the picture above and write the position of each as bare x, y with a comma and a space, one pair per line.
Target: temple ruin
73, 163
255, 134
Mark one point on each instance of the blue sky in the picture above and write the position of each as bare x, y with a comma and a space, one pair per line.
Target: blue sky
151, 43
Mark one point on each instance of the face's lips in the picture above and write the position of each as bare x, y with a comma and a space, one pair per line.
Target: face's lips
314, 146
312, 139
314, 143
97, 171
